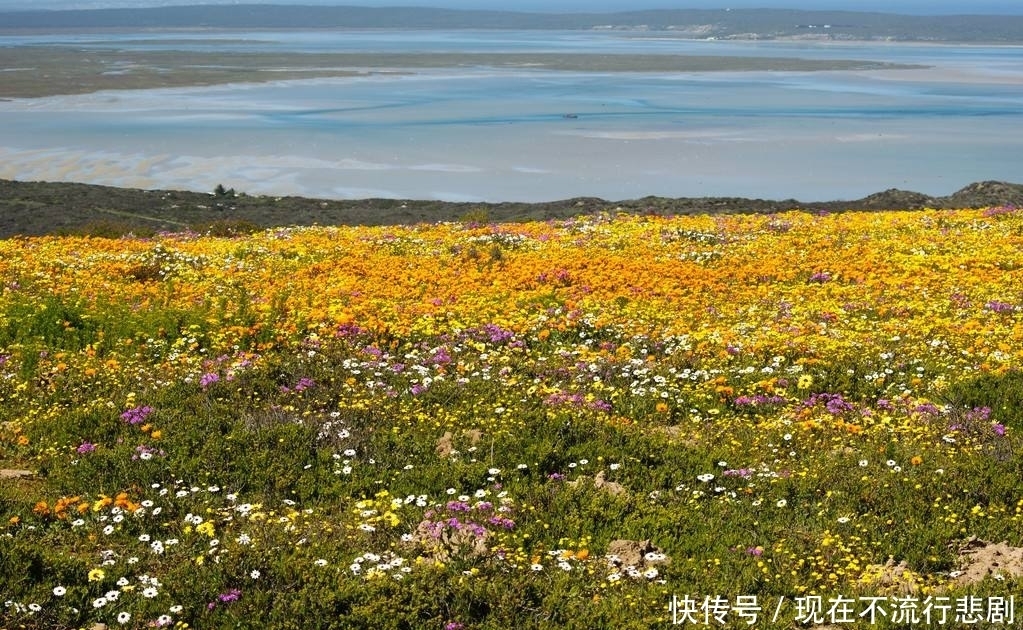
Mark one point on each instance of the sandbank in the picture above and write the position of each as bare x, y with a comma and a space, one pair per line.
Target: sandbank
32, 72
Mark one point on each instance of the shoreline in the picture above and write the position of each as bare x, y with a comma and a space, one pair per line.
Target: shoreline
39, 72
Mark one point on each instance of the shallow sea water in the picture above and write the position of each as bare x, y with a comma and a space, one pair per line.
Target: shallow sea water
473, 133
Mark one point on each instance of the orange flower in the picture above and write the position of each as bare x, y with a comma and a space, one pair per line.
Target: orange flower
41, 508
916, 460
60, 508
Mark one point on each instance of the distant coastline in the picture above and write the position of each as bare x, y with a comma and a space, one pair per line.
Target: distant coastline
737, 24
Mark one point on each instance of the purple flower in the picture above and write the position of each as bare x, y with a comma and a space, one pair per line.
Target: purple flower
230, 596
499, 521
208, 379
454, 625
440, 356
136, 415
820, 277
928, 408
960, 300
304, 383
85, 447
998, 428
834, 403
999, 210
838, 405
758, 400
418, 389
996, 306
347, 330
490, 332
979, 414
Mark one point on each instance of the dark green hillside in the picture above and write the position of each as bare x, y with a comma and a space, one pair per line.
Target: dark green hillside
32, 208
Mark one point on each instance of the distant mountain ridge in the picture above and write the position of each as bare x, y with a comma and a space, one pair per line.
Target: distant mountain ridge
695, 23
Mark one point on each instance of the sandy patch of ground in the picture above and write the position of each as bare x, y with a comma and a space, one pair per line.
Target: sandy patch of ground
446, 442
982, 559
12, 473
640, 554
600, 483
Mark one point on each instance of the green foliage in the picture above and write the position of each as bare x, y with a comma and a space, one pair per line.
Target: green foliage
475, 217
227, 228
220, 191
1002, 393
111, 229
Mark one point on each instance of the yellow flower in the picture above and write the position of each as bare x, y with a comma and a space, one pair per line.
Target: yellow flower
96, 575
206, 528
916, 460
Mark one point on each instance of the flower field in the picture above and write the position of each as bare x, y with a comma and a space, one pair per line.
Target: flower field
592, 423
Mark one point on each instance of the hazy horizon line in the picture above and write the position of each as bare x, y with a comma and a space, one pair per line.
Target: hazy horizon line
893, 7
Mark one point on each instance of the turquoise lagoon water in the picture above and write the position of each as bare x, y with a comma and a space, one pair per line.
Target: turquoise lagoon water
478, 133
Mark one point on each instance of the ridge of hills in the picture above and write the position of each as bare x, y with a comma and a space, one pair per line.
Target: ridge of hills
39, 208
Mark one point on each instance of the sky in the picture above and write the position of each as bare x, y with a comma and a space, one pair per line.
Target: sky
935, 7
